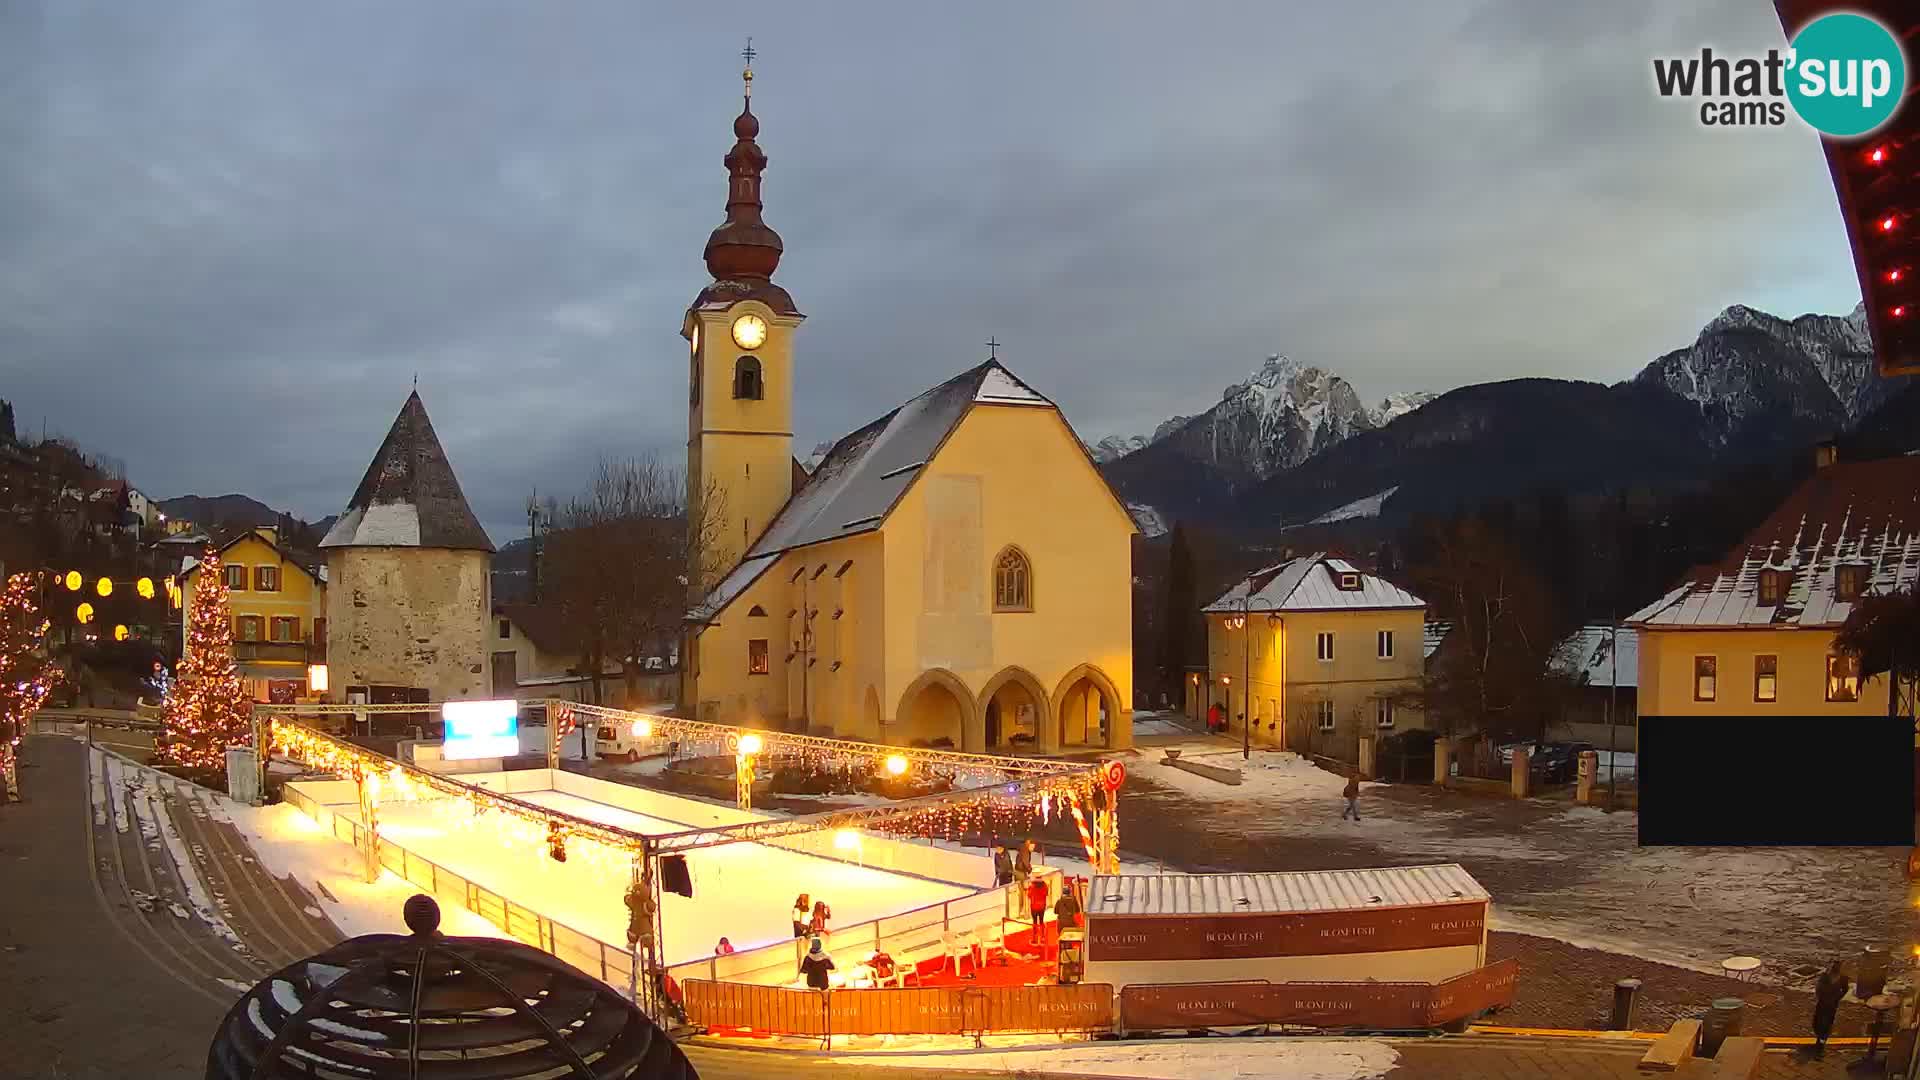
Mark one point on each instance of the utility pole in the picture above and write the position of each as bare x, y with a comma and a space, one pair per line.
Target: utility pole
1613, 730
1246, 676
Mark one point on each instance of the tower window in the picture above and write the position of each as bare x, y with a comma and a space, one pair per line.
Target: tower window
1850, 581
747, 382
1012, 581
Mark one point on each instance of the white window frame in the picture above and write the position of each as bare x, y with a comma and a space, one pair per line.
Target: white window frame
1325, 714
1323, 646
1383, 644
1383, 713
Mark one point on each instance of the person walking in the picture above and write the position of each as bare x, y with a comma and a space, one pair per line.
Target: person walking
1351, 793
1827, 994
1002, 866
816, 965
1215, 718
802, 915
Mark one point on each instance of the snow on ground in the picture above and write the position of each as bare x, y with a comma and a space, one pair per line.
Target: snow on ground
1160, 1059
142, 788
291, 843
1158, 723
740, 891
1574, 873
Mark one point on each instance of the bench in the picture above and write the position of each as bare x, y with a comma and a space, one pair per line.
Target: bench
1674, 1049
1738, 1059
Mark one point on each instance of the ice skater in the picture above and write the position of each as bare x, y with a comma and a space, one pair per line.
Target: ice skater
802, 915
1827, 994
1352, 794
817, 922
725, 948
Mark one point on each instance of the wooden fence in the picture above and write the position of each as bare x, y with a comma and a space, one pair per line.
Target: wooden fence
1369, 1006
939, 1010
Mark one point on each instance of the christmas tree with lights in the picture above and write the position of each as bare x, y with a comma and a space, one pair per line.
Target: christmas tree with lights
207, 707
27, 673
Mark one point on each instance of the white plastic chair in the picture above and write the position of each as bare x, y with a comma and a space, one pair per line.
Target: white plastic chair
956, 948
991, 939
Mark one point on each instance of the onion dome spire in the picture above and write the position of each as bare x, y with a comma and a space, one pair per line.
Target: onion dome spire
743, 246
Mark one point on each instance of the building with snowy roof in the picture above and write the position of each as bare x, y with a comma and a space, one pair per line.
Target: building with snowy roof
1754, 632
408, 593
1319, 652
956, 572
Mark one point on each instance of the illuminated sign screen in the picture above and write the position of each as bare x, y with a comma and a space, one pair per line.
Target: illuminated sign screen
480, 729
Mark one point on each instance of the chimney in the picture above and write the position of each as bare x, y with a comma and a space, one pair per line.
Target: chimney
1825, 453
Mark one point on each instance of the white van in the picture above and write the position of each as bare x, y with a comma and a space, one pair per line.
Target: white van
625, 741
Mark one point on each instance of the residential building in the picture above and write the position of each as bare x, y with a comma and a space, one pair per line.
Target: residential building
408, 564
1605, 663
1753, 633
278, 601
955, 573
1318, 652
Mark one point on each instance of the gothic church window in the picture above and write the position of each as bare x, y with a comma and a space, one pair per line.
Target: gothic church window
747, 382
1012, 581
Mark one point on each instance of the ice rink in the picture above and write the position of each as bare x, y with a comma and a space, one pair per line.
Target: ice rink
743, 891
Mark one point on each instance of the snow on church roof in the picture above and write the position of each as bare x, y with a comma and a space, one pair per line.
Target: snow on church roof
1860, 513
1307, 584
857, 483
409, 496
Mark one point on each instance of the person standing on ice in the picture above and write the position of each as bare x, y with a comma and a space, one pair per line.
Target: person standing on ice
816, 965
1827, 994
817, 923
801, 916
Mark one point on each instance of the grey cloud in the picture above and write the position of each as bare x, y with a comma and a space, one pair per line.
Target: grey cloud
231, 234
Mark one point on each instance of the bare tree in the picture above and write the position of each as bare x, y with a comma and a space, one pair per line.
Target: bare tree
1496, 673
619, 558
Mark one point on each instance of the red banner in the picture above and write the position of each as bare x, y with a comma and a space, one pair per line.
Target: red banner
1308, 933
1469, 995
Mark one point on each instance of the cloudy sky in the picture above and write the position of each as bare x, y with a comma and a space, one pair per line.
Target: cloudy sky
232, 233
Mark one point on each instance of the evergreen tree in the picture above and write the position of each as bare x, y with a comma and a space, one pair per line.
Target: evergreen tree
27, 673
1179, 612
207, 707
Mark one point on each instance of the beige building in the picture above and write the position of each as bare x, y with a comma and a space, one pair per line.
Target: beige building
1754, 633
407, 570
1318, 652
954, 573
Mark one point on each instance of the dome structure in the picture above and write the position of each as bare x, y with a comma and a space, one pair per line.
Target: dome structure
423, 1005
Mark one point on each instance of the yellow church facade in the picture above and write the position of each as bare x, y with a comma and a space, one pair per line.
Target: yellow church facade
956, 573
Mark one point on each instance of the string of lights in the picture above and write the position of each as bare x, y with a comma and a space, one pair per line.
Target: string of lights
27, 673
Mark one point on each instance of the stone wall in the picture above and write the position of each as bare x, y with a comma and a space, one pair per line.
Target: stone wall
408, 617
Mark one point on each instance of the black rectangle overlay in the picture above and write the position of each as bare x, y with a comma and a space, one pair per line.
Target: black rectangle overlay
1776, 781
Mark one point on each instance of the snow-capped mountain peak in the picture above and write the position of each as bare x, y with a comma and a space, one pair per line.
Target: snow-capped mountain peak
1394, 406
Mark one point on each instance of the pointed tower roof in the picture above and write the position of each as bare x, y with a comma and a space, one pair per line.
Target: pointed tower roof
743, 251
409, 496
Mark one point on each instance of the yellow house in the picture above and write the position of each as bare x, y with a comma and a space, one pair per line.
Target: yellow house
956, 572
1754, 633
1318, 652
279, 603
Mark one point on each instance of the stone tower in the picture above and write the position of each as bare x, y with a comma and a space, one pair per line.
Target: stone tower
408, 565
740, 374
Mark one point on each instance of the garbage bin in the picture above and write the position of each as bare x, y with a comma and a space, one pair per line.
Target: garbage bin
1071, 961
1624, 993
1721, 1023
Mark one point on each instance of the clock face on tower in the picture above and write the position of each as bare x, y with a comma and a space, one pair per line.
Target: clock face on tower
749, 331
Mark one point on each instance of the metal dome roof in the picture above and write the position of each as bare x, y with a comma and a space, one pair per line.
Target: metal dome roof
424, 1005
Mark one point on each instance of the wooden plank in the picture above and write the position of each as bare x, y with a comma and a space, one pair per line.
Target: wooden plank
1671, 1050
1738, 1058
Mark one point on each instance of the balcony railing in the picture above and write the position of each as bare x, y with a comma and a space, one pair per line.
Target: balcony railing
292, 652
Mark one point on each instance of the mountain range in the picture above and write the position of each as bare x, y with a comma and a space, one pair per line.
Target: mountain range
1293, 444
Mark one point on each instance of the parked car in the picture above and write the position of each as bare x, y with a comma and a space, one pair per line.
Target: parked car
1552, 763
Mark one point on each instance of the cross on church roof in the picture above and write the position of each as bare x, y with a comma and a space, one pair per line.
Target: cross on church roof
748, 52
993, 349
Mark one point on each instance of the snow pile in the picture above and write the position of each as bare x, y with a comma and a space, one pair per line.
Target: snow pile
141, 788
1270, 775
1161, 1059
291, 844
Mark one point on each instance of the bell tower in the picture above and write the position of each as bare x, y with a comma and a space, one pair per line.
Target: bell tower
739, 333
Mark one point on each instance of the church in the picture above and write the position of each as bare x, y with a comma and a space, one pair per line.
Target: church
956, 573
